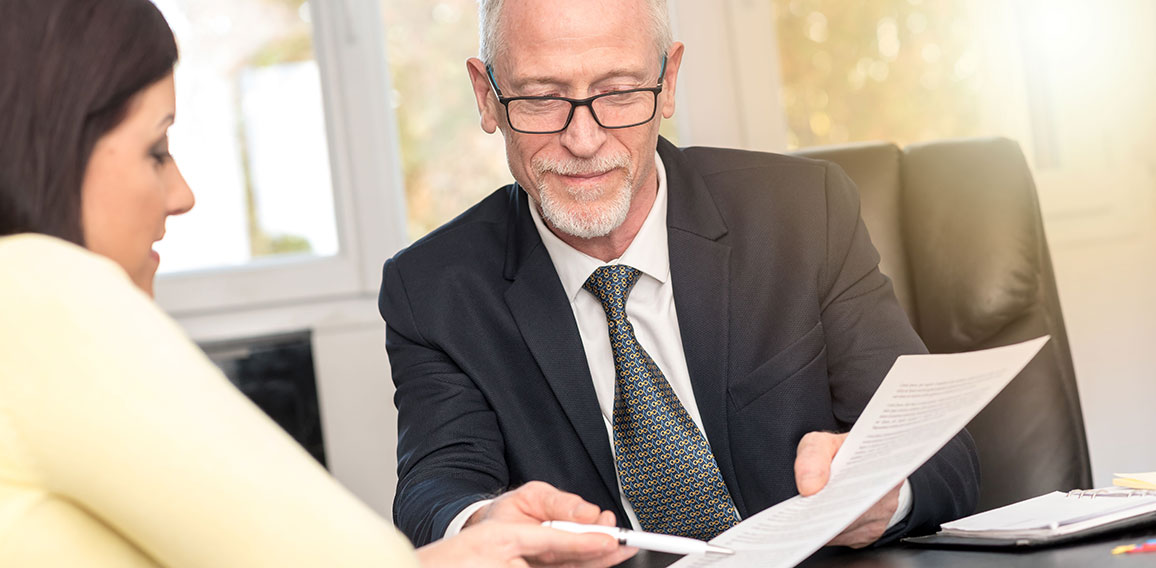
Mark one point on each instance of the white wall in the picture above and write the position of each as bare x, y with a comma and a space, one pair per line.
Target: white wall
728, 87
1098, 203
1110, 305
359, 420
1108, 294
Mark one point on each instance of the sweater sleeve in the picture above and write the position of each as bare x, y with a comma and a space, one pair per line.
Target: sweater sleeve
119, 413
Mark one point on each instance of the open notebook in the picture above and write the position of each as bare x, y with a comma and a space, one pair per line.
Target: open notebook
1048, 519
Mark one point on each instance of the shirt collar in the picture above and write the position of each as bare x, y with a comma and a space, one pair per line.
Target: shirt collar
647, 252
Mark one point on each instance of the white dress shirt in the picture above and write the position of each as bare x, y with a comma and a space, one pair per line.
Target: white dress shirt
650, 308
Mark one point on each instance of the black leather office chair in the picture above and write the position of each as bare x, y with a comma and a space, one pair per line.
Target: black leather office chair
957, 224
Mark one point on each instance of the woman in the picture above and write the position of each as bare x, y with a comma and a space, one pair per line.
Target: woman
120, 443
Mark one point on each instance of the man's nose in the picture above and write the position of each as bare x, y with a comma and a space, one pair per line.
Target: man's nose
583, 137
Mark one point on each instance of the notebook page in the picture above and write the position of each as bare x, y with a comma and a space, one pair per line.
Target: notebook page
1052, 511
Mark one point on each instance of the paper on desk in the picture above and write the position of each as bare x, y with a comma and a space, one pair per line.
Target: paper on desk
1051, 511
922, 403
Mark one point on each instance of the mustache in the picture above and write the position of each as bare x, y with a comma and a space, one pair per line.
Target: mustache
580, 167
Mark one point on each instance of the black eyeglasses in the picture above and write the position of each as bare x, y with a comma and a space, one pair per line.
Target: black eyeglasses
551, 115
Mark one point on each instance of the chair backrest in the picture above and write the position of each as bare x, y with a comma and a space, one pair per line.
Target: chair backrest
957, 224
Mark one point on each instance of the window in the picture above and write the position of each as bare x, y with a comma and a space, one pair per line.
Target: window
1059, 77
250, 135
285, 135
448, 162
898, 70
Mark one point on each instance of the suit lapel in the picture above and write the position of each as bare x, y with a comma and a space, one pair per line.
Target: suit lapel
700, 274
542, 312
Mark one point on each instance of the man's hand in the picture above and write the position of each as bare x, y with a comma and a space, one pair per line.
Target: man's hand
813, 468
497, 544
536, 502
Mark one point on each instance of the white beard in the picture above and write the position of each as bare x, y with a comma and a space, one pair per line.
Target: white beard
583, 215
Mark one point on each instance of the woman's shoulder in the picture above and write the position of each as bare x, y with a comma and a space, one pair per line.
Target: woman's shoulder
46, 281
33, 262
36, 248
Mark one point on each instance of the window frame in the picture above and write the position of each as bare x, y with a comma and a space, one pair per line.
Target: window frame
369, 199
728, 88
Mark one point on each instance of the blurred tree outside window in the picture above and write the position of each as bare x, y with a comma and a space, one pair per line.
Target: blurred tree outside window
448, 162
1070, 81
896, 70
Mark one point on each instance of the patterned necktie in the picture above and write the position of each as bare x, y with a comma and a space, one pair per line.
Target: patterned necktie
664, 463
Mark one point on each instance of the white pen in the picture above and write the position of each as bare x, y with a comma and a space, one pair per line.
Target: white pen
644, 540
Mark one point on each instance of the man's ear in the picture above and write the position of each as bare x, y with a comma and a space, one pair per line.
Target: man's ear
486, 98
670, 80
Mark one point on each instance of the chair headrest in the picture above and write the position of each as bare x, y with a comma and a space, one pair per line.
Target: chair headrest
974, 237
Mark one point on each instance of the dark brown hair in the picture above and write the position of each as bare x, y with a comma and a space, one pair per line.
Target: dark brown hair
68, 72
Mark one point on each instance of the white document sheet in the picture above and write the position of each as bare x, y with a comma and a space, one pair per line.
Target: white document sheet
922, 403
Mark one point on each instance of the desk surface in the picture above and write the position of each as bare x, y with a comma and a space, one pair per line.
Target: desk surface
1093, 552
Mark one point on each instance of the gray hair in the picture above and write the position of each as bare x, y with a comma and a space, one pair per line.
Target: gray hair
492, 41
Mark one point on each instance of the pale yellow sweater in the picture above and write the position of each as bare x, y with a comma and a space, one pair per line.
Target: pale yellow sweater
122, 445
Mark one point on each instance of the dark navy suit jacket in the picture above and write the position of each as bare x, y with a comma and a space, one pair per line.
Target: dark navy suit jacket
787, 324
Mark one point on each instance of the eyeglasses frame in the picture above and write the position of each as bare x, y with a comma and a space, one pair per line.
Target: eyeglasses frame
575, 103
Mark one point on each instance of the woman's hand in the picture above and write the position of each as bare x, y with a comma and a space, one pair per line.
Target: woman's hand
496, 544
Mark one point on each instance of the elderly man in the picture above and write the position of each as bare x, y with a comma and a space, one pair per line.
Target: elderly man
674, 335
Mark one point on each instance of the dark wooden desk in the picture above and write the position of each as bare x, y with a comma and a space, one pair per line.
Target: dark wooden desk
1093, 553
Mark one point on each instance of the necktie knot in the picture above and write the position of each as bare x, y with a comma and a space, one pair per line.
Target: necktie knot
611, 285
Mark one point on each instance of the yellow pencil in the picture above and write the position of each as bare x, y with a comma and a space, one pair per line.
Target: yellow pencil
1124, 548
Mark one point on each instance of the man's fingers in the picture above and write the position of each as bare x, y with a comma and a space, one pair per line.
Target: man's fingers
552, 546
870, 525
539, 501
607, 519
813, 460
861, 535
564, 506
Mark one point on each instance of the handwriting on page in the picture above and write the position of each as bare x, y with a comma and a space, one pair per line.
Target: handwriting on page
921, 404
